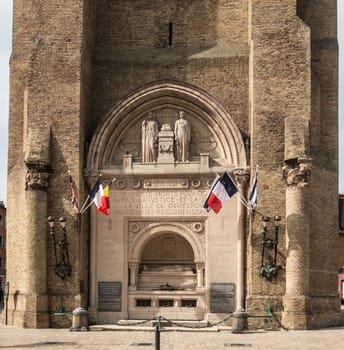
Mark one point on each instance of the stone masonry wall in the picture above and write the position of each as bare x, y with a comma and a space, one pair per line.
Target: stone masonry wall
280, 81
45, 94
132, 50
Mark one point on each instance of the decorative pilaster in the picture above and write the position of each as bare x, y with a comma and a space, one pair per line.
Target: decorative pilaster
240, 317
297, 175
133, 276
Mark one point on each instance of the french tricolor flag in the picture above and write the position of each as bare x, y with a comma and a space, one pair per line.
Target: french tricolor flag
222, 190
100, 197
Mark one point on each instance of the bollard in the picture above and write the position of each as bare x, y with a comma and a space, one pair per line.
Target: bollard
240, 323
157, 334
7, 294
80, 320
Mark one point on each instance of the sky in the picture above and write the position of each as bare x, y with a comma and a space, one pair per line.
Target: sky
5, 51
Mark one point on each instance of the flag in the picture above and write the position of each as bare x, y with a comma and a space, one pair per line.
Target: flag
100, 197
253, 191
205, 205
96, 194
223, 190
105, 202
73, 197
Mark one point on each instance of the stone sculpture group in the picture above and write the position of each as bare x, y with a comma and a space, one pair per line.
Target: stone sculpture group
179, 143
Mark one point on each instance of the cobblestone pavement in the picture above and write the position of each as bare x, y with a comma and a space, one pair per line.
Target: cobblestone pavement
170, 339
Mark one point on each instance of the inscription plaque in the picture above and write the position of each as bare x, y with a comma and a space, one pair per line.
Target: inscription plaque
222, 297
159, 203
109, 296
165, 183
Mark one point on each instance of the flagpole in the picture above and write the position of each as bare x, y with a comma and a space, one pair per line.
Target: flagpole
89, 204
83, 206
112, 181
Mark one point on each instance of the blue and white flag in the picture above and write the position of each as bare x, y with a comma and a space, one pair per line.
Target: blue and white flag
253, 191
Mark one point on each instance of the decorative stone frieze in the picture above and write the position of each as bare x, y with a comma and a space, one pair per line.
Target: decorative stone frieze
142, 183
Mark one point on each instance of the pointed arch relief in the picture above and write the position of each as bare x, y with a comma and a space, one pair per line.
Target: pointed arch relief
142, 130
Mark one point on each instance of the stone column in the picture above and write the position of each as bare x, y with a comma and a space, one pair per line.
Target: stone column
133, 275
31, 309
297, 250
240, 316
35, 288
199, 268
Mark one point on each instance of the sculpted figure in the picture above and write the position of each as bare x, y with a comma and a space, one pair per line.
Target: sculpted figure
149, 139
182, 133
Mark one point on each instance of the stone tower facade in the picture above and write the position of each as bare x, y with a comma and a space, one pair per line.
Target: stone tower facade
161, 96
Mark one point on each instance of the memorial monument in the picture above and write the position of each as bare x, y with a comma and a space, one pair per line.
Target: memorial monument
161, 96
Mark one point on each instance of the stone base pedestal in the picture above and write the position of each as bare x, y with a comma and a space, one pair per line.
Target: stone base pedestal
165, 146
80, 320
311, 312
34, 316
240, 323
295, 314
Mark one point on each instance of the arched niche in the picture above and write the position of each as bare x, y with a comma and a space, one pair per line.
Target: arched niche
154, 230
210, 123
167, 248
166, 255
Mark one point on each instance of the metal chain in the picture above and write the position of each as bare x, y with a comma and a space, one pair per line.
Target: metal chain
177, 324
209, 325
100, 321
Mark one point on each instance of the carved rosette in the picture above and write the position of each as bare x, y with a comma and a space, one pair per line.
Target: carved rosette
37, 176
134, 227
297, 173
